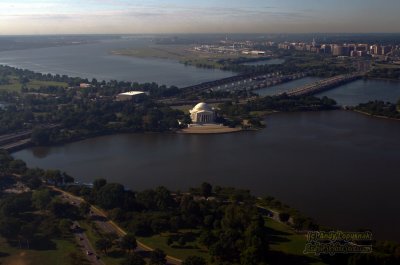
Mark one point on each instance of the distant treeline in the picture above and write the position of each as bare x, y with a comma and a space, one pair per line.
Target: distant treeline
389, 73
381, 108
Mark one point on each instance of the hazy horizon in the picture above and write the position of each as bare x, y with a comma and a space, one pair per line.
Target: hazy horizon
45, 17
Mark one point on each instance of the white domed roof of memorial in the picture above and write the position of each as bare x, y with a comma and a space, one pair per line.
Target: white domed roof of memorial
202, 106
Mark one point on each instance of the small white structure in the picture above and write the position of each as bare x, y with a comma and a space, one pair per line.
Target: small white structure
202, 113
85, 85
128, 95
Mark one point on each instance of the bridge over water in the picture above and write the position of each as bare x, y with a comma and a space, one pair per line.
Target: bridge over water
245, 82
250, 82
323, 85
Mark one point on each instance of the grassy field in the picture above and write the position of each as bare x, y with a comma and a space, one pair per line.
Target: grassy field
189, 249
16, 86
285, 240
59, 255
182, 53
386, 66
37, 84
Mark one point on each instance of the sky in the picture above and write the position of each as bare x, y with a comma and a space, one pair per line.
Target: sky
206, 16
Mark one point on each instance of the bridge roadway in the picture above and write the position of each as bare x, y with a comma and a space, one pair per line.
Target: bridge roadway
243, 82
14, 141
323, 85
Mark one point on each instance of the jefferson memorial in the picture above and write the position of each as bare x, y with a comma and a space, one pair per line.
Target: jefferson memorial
202, 113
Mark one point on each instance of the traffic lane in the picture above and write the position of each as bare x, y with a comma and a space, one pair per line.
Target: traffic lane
85, 245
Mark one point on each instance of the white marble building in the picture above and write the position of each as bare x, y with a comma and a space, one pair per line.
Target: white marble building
202, 113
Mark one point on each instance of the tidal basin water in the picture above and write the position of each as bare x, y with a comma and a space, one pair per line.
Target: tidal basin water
339, 167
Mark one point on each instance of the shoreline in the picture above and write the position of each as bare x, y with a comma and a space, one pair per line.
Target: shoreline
381, 78
374, 116
208, 129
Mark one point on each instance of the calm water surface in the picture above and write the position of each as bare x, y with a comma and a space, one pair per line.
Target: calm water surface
341, 168
351, 94
95, 61
362, 91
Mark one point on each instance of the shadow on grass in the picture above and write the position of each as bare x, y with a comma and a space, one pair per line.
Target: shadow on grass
117, 254
39, 242
275, 236
144, 253
280, 258
184, 247
42, 243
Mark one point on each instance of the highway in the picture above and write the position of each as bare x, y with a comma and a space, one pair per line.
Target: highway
85, 244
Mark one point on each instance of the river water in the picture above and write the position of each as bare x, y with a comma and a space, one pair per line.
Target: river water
350, 94
95, 61
342, 168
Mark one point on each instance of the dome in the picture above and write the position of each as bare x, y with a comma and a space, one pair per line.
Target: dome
202, 106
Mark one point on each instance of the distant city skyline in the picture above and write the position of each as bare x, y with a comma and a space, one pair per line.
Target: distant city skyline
207, 16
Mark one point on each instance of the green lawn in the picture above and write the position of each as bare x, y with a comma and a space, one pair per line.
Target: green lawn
190, 248
60, 255
15, 85
37, 84
284, 239
385, 66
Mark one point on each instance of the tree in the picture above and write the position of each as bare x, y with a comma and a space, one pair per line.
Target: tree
128, 242
284, 217
170, 240
41, 199
75, 258
99, 183
206, 189
194, 260
207, 238
67, 178
33, 178
158, 257
53, 176
111, 196
63, 209
17, 166
103, 244
65, 226
133, 259
84, 209
40, 136
182, 241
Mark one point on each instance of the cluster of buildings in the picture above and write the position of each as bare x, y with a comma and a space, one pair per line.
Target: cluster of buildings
353, 49
231, 49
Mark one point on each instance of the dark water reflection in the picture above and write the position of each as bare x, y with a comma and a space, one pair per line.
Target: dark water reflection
340, 167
